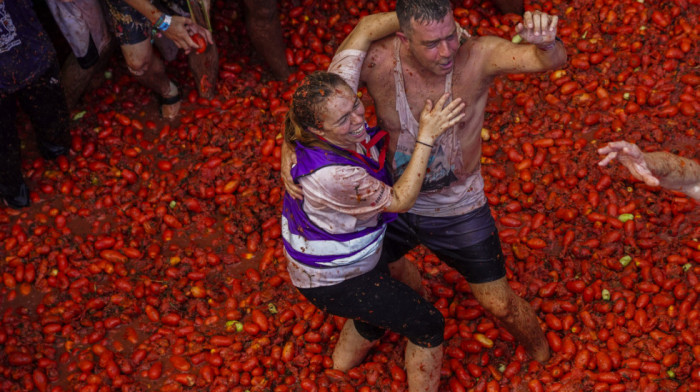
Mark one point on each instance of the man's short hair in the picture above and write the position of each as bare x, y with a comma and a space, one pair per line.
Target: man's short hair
422, 11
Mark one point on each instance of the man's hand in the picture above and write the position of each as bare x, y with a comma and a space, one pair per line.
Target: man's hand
631, 157
181, 31
289, 159
538, 28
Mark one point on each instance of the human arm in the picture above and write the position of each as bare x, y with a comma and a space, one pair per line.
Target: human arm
434, 120
656, 168
369, 29
544, 53
289, 159
180, 30
348, 60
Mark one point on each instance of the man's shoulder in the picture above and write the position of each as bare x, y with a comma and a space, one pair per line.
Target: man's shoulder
380, 54
478, 50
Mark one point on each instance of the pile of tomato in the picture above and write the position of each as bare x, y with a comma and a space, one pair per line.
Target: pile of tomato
151, 257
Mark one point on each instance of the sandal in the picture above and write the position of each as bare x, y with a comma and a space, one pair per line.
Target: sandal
168, 101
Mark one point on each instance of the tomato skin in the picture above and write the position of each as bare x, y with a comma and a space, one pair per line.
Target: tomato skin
201, 43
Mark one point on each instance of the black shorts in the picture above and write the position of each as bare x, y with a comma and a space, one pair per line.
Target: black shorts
377, 302
468, 243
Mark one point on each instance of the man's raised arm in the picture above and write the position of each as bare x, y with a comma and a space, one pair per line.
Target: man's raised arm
544, 52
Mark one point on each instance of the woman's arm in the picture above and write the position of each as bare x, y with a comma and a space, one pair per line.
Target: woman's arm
434, 120
369, 29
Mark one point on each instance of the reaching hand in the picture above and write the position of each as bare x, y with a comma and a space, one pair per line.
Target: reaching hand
631, 157
434, 120
181, 31
538, 28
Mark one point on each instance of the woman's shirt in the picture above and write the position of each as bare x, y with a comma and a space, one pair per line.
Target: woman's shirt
341, 199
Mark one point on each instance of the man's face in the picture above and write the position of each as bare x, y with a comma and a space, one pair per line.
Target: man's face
434, 44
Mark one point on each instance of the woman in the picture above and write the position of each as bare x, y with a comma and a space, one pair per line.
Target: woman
333, 237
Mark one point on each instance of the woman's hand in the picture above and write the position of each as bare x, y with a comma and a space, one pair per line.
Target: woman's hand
435, 120
181, 31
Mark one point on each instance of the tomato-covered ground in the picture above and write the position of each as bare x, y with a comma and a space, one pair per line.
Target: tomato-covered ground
151, 257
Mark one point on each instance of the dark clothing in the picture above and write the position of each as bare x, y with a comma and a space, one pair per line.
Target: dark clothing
377, 302
469, 243
131, 27
44, 103
25, 49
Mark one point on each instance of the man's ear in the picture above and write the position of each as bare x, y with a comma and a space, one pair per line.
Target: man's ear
402, 36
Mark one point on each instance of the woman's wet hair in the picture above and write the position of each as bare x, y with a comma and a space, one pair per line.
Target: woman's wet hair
308, 102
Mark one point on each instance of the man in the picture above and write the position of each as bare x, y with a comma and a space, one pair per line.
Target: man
135, 21
28, 75
656, 168
451, 216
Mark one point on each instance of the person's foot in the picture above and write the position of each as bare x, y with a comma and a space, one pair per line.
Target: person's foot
51, 151
170, 105
15, 198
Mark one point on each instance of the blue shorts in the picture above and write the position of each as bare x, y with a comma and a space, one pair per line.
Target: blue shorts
468, 243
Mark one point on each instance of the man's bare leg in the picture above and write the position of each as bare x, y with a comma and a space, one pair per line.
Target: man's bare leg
265, 32
516, 314
423, 367
351, 348
406, 272
149, 70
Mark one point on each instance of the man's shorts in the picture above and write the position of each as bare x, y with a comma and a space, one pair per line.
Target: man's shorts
469, 243
130, 26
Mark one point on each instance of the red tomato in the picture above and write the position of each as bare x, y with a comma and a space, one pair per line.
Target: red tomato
201, 43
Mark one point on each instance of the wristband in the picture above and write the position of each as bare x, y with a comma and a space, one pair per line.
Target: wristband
163, 22
425, 144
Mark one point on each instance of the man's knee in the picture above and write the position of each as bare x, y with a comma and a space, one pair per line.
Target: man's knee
502, 307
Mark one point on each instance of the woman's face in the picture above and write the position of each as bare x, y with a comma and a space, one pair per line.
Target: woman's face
343, 119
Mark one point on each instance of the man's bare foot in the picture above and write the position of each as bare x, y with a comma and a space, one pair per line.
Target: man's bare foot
170, 105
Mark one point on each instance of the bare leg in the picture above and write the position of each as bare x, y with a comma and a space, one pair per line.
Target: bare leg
149, 70
351, 348
517, 316
423, 368
75, 79
406, 272
265, 32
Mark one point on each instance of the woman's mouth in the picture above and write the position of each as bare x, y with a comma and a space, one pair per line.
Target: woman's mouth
359, 131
